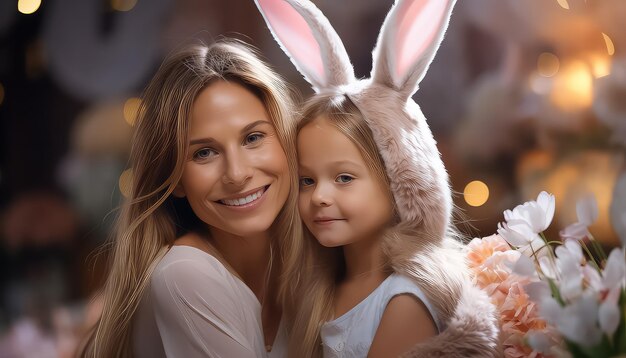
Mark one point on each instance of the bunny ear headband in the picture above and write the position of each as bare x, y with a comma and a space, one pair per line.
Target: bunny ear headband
407, 43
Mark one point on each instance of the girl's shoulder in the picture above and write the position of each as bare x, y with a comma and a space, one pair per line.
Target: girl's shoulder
399, 284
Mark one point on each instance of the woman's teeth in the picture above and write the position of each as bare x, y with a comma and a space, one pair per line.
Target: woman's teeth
242, 201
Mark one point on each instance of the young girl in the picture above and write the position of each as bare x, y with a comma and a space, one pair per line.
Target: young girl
384, 274
211, 221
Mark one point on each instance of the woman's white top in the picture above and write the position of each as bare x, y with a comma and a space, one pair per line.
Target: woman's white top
351, 334
195, 307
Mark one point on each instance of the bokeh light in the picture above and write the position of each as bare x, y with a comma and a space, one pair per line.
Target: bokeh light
610, 48
564, 4
476, 193
28, 6
573, 88
125, 182
131, 107
123, 5
548, 64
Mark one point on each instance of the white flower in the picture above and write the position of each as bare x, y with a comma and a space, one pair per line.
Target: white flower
608, 313
537, 291
577, 321
537, 214
613, 274
524, 266
587, 212
517, 232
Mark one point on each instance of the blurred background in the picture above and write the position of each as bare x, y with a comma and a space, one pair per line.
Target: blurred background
523, 96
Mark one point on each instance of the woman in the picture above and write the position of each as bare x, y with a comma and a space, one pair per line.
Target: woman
211, 221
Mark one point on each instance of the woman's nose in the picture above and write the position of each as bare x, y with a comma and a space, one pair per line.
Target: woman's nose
238, 170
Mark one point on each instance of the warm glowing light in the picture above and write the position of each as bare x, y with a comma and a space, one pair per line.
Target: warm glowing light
600, 66
1, 93
476, 193
125, 182
610, 48
540, 84
123, 5
131, 107
28, 6
548, 64
573, 88
563, 4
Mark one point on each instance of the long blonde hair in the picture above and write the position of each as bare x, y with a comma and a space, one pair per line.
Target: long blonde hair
152, 218
404, 250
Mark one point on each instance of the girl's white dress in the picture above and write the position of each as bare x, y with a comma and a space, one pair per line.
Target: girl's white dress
195, 307
351, 334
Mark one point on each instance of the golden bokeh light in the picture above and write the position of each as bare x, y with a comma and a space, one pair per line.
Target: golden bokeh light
600, 66
564, 4
123, 5
131, 107
28, 6
125, 182
476, 193
610, 48
548, 64
573, 87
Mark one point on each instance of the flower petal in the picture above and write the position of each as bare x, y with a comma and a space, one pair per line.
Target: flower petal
614, 270
576, 231
608, 316
587, 210
524, 266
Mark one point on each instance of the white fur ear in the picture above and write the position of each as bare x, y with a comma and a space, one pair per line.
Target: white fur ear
307, 37
408, 41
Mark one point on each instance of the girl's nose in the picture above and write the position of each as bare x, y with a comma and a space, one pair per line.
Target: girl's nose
322, 195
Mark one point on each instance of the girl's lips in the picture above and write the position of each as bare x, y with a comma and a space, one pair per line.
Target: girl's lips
326, 221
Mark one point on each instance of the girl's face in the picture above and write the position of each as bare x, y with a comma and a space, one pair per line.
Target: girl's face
236, 177
340, 201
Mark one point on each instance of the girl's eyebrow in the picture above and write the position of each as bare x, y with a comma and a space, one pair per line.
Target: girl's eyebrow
244, 129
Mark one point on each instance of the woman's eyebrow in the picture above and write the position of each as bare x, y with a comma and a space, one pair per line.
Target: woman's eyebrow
244, 129
254, 124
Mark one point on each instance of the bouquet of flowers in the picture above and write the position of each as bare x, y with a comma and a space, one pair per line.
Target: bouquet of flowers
562, 298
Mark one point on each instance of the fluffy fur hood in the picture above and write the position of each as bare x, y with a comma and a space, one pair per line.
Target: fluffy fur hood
406, 45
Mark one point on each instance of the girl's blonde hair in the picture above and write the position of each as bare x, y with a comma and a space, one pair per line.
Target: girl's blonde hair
404, 251
152, 218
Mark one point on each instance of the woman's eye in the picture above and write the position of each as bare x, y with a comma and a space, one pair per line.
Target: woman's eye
204, 153
306, 182
253, 138
344, 179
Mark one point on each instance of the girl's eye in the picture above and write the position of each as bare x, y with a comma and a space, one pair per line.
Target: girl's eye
204, 153
306, 182
344, 179
254, 138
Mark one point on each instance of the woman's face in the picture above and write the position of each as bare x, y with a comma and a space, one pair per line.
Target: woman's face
236, 176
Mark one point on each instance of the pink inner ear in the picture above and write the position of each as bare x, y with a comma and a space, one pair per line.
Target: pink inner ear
295, 35
418, 25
